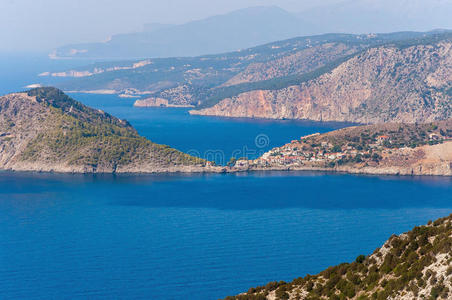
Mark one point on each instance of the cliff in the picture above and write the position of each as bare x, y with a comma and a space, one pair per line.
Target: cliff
413, 265
396, 82
200, 80
45, 130
157, 102
302, 61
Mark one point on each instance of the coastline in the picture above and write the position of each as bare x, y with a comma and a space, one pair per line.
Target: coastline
405, 172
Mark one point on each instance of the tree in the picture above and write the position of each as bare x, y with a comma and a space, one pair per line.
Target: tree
360, 259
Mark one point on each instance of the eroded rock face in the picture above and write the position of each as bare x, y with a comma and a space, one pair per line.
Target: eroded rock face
157, 102
382, 84
300, 62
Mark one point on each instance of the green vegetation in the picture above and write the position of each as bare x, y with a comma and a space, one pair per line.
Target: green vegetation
400, 268
204, 75
397, 135
79, 135
214, 96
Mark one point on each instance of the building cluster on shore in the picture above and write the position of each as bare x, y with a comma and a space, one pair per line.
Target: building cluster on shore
305, 152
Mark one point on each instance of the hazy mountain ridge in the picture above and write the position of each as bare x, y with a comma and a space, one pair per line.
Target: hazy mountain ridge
360, 16
236, 30
258, 25
408, 82
45, 130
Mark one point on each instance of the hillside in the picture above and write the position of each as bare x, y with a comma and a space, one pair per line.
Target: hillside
208, 79
413, 265
404, 81
391, 148
229, 32
45, 130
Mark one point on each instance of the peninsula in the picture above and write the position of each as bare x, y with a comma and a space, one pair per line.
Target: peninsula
390, 148
45, 130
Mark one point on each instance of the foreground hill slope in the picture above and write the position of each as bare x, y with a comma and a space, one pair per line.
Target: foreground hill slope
399, 82
391, 148
414, 265
45, 130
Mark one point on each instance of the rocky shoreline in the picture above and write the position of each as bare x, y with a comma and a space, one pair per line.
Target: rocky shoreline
445, 170
44, 130
158, 102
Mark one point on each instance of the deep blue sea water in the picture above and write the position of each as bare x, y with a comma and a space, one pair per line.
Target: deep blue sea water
197, 236
212, 138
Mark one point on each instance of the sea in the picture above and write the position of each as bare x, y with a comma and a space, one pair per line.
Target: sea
191, 236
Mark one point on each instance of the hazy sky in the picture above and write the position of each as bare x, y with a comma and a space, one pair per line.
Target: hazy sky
29, 25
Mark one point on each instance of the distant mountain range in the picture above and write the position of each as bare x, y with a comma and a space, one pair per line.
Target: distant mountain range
236, 30
259, 25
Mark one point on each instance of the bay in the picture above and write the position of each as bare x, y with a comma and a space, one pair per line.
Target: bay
192, 236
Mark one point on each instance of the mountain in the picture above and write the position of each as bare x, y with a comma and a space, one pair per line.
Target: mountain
404, 81
236, 30
389, 148
199, 80
45, 130
364, 16
151, 27
413, 265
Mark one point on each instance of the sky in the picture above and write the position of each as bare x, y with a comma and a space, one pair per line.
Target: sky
43, 25
40, 25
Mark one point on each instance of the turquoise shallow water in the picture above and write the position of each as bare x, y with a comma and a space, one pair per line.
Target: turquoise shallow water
198, 236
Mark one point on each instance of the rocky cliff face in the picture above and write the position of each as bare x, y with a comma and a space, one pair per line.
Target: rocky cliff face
387, 83
413, 265
45, 130
157, 102
199, 80
303, 61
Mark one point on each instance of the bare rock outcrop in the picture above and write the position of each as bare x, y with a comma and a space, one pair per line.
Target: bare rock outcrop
382, 84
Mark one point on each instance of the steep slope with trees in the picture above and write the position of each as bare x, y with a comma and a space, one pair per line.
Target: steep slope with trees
413, 265
45, 130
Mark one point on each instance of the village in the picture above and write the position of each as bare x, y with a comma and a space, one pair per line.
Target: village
313, 151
